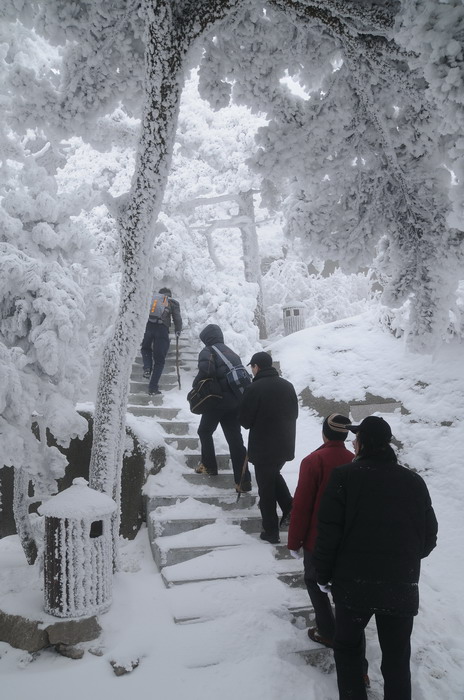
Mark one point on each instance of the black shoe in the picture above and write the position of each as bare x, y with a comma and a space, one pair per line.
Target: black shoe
155, 392
146, 374
244, 488
285, 519
269, 537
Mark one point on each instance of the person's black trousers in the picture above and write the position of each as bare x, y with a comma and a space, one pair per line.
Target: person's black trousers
395, 642
232, 432
155, 346
325, 619
272, 489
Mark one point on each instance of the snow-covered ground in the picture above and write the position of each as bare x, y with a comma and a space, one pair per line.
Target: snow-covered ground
245, 652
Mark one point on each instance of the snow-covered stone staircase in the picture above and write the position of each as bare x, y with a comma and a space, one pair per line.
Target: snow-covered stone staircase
204, 540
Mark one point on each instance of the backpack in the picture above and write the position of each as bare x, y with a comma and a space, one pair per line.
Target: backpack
237, 377
205, 396
159, 308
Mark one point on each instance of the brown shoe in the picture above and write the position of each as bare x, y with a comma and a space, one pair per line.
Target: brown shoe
201, 469
314, 635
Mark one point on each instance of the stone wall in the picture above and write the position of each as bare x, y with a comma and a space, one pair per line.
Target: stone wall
136, 465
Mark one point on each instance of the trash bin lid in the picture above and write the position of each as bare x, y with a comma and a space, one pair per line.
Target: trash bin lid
78, 502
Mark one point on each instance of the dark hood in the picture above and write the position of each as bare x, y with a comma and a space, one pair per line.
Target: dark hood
211, 335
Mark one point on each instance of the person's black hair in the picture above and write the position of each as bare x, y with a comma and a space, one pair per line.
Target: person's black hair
165, 290
370, 448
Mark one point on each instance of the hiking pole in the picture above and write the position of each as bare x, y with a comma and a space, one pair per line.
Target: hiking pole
177, 359
245, 464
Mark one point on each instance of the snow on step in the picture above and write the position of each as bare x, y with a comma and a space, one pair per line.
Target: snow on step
223, 461
225, 500
244, 560
175, 427
138, 383
228, 640
219, 481
214, 535
190, 514
148, 411
183, 443
187, 545
205, 600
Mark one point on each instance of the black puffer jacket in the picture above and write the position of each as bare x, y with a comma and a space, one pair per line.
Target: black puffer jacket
376, 523
211, 365
269, 409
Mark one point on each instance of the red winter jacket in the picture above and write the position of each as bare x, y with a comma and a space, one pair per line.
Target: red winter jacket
315, 471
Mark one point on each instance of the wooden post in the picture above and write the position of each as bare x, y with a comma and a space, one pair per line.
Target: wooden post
251, 259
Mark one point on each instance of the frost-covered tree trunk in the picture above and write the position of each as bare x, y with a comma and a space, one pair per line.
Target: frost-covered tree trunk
168, 38
21, 503
164, 76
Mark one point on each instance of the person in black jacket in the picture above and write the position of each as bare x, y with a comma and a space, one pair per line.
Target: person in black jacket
376, 523
269, 409
210, 364
155, 343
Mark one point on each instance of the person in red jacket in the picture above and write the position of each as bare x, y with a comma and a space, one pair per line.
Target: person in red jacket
315, 470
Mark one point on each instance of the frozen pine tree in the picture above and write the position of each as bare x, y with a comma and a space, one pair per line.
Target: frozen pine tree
360, 159
49, 284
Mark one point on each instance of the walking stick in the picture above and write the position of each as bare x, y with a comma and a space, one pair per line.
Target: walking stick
245, 464
177, 359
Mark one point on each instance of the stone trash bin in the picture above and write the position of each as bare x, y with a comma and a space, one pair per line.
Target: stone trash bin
294, 317
78, 557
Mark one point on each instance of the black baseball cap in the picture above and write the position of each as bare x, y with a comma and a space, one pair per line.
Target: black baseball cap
373, 428
262, 359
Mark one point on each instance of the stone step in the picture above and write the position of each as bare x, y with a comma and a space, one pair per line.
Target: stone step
175, 427
185, 355
302, 616
219, 481
225, 501
138, 383
187, 545
241, 561
169, 370
183, 443
184, 346
321, 659
180, 554
223, 461
293, 579
148, 411
163, 412
160, 527
166, 413
190, 603
141, 389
